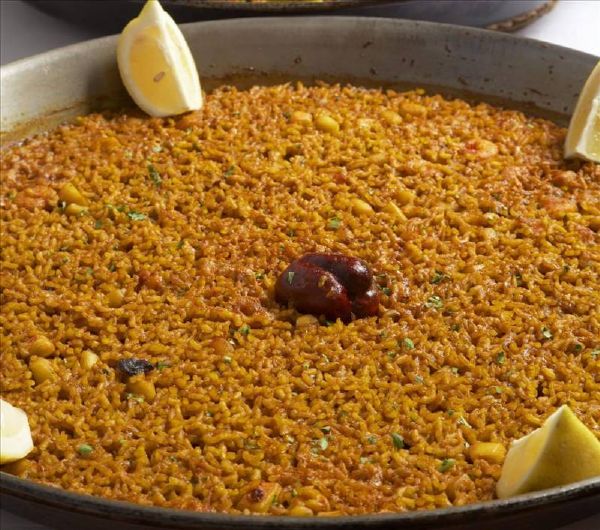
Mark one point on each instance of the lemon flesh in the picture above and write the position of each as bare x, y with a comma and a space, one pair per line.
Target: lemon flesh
563, 450
583, 136
15, 435
156, 65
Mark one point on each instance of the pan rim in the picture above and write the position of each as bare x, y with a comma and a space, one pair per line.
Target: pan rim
111, 509
126, 511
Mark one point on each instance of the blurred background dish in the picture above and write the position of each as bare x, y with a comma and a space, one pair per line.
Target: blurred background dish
111, 15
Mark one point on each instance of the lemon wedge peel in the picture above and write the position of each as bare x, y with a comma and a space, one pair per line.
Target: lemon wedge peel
156, 65
583, 136
15, 435
562, 451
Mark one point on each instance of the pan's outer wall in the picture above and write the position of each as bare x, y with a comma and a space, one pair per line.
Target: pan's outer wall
374, 51
381, 51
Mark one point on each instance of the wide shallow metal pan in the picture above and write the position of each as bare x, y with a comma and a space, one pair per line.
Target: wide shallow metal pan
541, 78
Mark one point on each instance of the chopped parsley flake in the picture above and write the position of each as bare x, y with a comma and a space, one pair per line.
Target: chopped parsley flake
434, 301
397, 440
454, 327
85, 449
578, 347
98, 223
334, 223
438, 277
161, 365
372, 439
245, 329
391, 354
408, 343
154, 175
498, 389
462, 421
386, 291
136, 216
323, 443
180, 244
500, 358
447, 464
546, 333
112, 267
418, 379
229, 171
260, 275
290, 277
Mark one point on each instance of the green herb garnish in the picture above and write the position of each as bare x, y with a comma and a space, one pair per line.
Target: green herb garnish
434, 301
418, 379
85, 449
154, 175
244, 330
180, 244
462, 421
161, 365
323, 443
446, 464
334, 223
438, 277
386, 291
372, 439
260, 275
98, 223
136, 216
112, 267
500, 358
408, 343
229, 171
397, 440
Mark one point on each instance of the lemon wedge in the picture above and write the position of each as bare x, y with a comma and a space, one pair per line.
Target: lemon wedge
583, 136
563, 450
156, 65
15, 436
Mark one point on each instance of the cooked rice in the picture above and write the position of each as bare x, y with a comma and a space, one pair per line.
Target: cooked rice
491, 269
